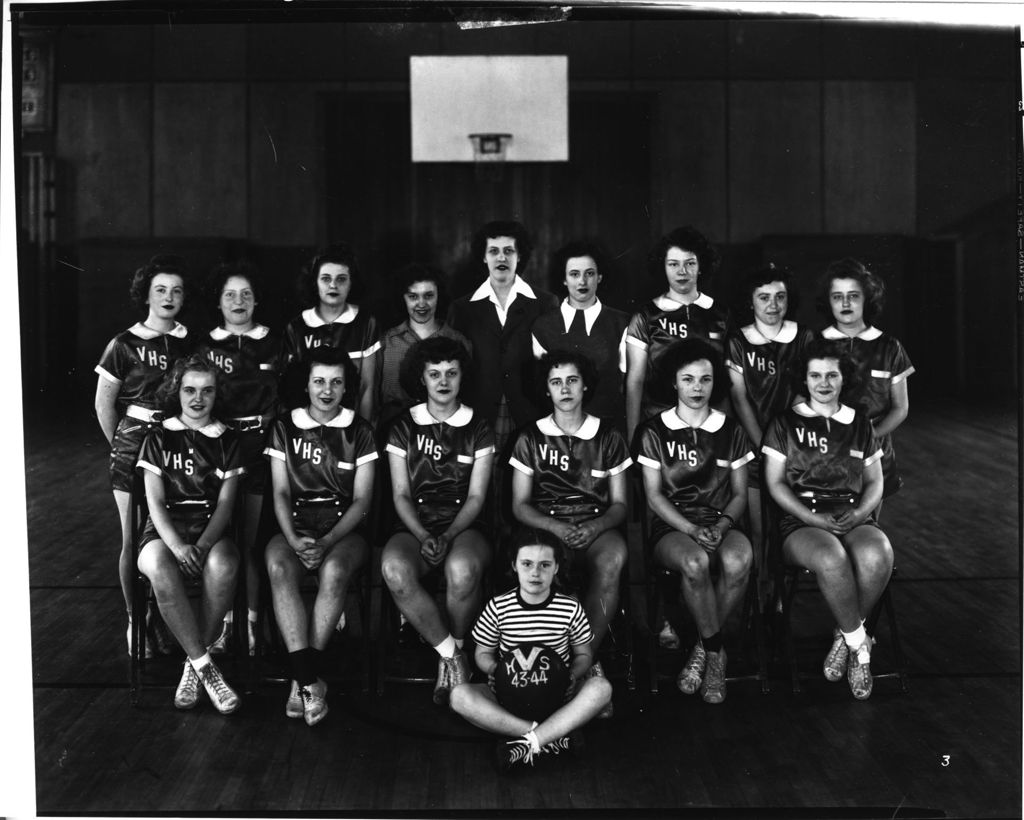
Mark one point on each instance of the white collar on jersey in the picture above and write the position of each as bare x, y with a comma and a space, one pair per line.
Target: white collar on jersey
312, 318
844, 415
212, 430
460, 418
520, 287
219, 334
590, 314
179, 331
786, 334
586, 431
666, 302
304, 421
712, 424
868, 334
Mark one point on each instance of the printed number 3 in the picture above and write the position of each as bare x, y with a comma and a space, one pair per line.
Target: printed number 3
945, 760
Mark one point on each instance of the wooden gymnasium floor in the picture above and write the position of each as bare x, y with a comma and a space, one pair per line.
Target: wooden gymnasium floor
951, 747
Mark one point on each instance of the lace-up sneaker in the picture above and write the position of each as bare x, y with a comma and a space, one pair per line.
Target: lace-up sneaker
223, 697
186, 696
712, 688
314, 703
834, 666
442, 688
514, 753
596, 671
220, 646
691, 675
858, 673
293, 706
450, 673
667, 638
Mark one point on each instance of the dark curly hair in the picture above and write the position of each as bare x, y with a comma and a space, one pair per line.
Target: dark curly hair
677, 356
168, 393
339, 254
743, 310
161, 263
555, 358
431, 351
524, 245
849, 268
578, 247
218, 277
334, 357
414, 272
687, 238
820, 348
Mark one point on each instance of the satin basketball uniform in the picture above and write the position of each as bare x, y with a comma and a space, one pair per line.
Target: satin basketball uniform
663, 321
696, 464
137, 360
571, 474
439, 457
880, 362
193, 464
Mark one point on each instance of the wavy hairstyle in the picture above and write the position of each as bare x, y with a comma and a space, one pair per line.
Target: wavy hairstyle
432, 351
578, 247
689, 239
820, 348
677, 356
168, 393
340, 253
849, 268
524, 244
141, 279
334, 357
743, 309
555, 358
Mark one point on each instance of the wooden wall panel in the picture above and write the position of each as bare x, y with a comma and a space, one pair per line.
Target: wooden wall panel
286, 153
208, 52
104, 134
296, 51
199, 160
598, 50
959, 52
381, 51
774, 173
689, 159
104, 54
870, 158
775, 49
966, 144
678, 50
868, 51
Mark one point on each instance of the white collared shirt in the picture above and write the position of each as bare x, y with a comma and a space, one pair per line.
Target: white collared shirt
256, 332
868, 334
304, 421
786, 334
422, 416
313, 319
520, 287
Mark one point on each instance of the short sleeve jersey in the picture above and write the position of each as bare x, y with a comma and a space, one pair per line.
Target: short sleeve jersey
880, 362
663, 321
824, 456
439, 455
322, 458
696, 463
507, 621
193, 463
354, 331
138, 359
764, 365
251, 363
572, 469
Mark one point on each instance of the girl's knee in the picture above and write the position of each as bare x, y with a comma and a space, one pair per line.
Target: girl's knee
462, 576
398, 575
460, 697
694, 566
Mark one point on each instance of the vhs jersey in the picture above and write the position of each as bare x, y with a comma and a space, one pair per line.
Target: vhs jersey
138, 359
251, 364
696, 464
764, 364
193, 463
440, 455
880, 361
824, 456
507, 621
322, 458
354, 331
663, 321
571, 470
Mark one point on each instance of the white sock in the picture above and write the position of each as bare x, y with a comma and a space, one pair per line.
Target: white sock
856, 641
230, 617
199, 663
531, 736
446, 649
253, 615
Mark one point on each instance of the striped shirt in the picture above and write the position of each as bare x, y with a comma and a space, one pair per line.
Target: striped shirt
508, 621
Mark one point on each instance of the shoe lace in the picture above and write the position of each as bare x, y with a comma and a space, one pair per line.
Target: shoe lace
715, 673
191, 680
521, 751
213, 678
556, 747
696, 663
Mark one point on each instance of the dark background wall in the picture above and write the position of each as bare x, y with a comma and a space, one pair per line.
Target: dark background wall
796, 140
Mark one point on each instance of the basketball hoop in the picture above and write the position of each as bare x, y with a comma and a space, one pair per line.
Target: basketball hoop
489, 155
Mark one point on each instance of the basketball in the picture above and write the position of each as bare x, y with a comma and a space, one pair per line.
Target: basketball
530, 681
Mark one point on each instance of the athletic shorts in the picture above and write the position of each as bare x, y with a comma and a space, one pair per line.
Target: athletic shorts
790, 524
317, 518
701, 516
189, 522
436, 517
124, 451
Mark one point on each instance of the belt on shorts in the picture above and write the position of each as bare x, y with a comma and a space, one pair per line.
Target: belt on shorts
194, 503
812, 500
243, 424
440, 502
144, 414
317, 501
